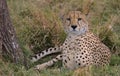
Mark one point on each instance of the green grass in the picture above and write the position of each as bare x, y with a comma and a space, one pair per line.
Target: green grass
38, 25
8, 69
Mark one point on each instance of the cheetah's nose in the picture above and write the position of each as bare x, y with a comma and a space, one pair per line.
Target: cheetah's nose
74, 26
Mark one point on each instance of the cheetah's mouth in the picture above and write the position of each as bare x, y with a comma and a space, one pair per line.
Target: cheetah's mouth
74, 31
78, 31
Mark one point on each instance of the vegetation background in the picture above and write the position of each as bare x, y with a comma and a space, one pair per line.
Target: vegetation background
38, 25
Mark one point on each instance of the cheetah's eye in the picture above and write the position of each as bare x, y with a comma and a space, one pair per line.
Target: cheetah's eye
68, 19
79, 19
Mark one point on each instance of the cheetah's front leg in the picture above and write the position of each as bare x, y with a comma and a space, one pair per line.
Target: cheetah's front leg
49, 63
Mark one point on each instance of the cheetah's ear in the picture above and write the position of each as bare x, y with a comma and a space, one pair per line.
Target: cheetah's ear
61, 17
87, 6
62, 14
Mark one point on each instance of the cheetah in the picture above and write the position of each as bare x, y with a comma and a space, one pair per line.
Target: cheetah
81, 47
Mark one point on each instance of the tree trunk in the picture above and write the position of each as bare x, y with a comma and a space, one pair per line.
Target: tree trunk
8, 41
0, 44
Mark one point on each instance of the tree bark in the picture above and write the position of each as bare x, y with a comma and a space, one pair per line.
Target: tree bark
0, 46
8, 40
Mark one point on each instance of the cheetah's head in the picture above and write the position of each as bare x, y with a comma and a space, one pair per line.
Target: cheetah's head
75, 23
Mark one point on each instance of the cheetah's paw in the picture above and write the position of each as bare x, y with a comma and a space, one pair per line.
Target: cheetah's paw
41, 66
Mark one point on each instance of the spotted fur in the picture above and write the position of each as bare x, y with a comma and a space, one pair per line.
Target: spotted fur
81, 47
